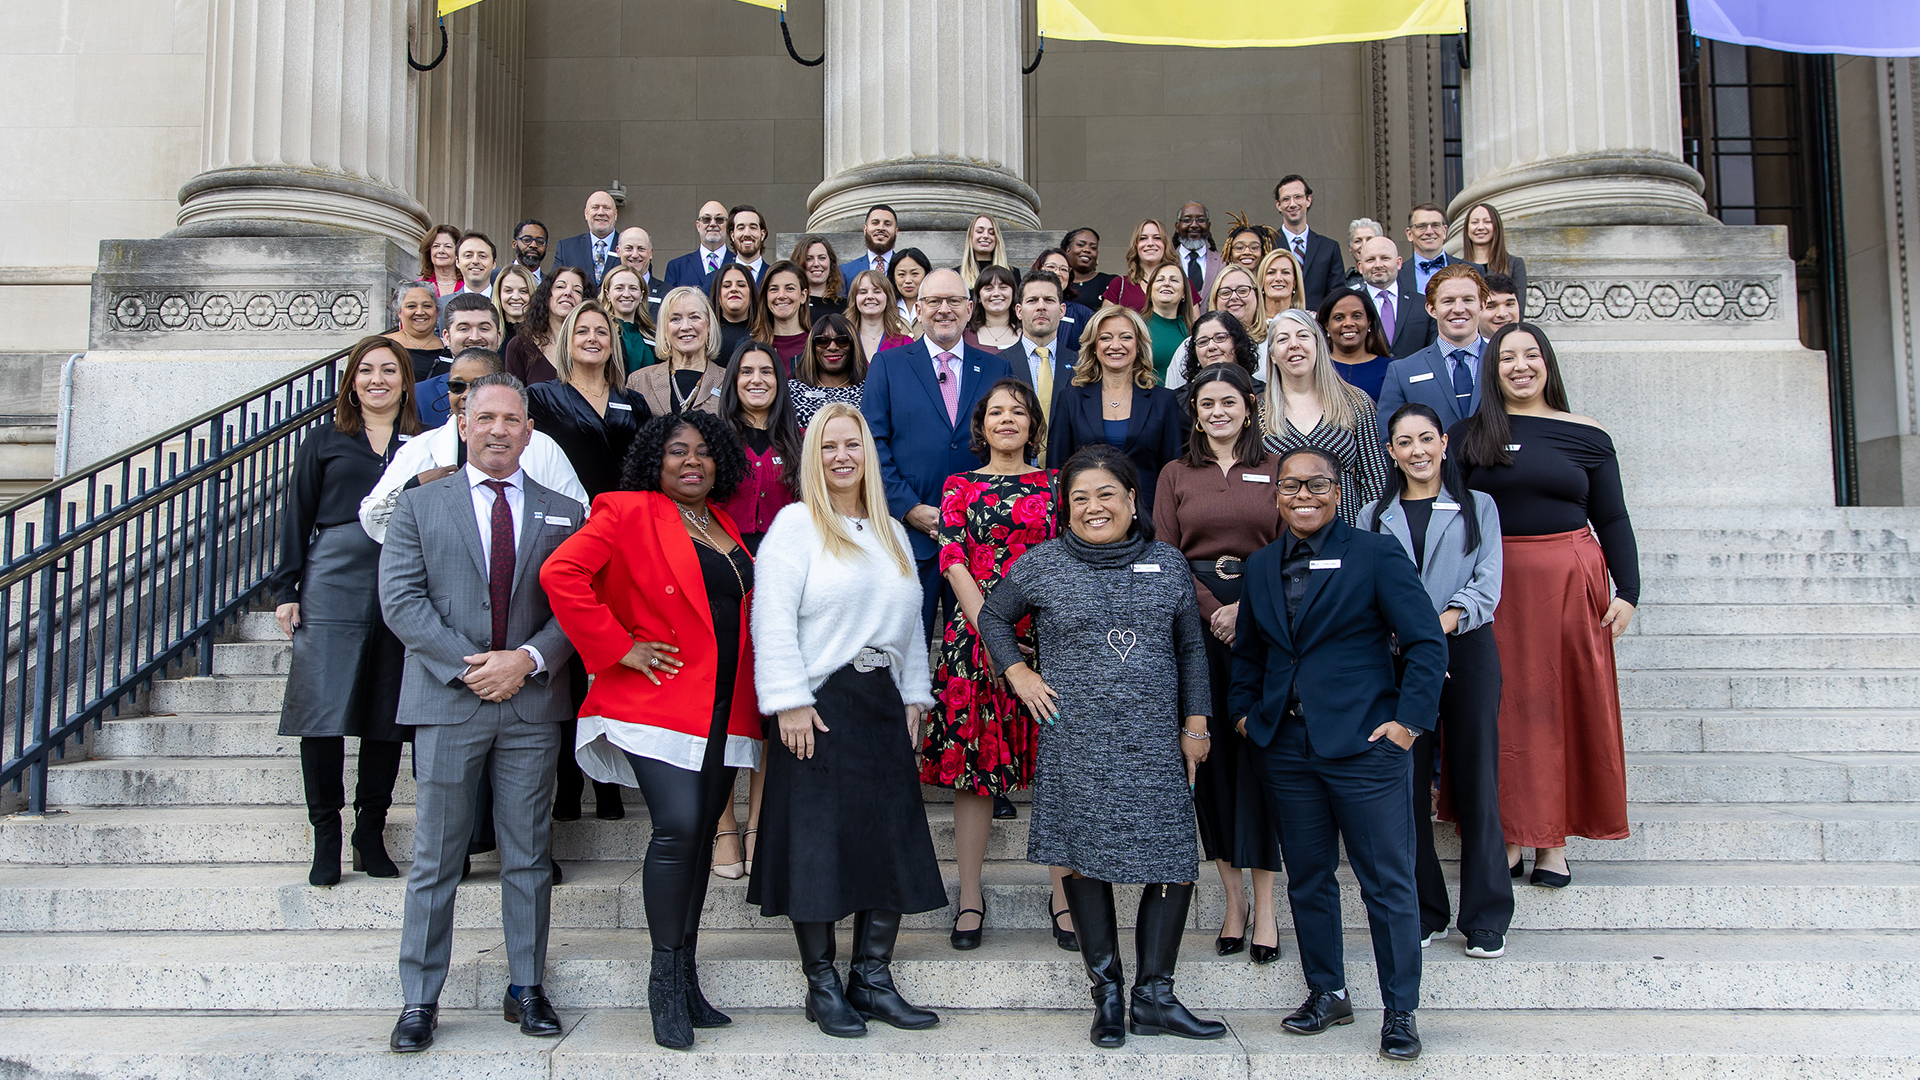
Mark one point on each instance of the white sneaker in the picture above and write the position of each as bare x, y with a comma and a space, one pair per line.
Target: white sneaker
1486, 945
1437, 935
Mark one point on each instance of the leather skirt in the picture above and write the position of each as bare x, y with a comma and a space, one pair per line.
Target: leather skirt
345, 675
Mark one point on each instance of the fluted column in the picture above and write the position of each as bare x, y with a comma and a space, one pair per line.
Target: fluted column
310, 127
1571, 115
925, 113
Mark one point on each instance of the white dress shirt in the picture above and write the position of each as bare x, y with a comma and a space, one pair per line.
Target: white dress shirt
483, 497
1301, 236
711, 260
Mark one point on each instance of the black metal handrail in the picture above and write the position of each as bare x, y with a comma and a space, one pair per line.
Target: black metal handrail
111, 575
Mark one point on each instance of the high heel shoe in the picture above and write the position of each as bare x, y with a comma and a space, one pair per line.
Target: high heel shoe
1227, 946
607, 802
732, 871
325, 872
370, 847
1258, 953
966, 940
1519, 868
745, 855
1066, 939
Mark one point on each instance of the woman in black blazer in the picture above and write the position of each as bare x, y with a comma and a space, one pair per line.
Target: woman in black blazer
1115, 400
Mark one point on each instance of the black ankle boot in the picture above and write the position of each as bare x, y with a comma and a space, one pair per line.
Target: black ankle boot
667, 999
1156, 937
370, 845
870, 988
826, 1001
325, 872
704, 1015
1091, 903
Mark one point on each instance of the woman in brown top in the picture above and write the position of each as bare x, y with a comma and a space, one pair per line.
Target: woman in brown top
1216, 504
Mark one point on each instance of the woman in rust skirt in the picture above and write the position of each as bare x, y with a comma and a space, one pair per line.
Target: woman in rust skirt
1556, 479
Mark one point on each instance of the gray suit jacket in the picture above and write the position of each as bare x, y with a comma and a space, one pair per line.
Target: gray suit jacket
433, 593
1453, 577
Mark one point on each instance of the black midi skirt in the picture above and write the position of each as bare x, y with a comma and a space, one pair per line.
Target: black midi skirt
344, 678
845, 830
1228, 799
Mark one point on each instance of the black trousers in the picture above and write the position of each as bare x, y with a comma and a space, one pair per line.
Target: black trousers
685, 808
1468, 740
569, 781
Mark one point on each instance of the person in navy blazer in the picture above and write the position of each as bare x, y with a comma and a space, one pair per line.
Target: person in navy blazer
1314, 692
918, 442
578, 250
691, 269
1323, 269
1156, 425
881, 229
1038, 312
1427, 376
1390, 284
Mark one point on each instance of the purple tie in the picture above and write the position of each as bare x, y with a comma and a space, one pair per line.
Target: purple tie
1386, 315
500, 563
950, 387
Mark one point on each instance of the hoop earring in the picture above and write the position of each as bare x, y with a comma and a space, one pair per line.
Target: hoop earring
353, 398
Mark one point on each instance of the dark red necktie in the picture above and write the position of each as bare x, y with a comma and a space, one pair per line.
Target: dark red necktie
500, 564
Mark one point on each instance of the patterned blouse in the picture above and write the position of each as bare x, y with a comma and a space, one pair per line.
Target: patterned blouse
1363, 463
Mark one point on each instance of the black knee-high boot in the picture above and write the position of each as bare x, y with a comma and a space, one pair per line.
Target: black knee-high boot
372, 797
1091, 903
321, 762
870, 988
1156, 937
826, 1001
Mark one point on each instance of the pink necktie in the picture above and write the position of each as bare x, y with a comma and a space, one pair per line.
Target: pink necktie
950, 387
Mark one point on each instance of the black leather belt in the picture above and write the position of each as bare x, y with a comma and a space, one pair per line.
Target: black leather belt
1226, 567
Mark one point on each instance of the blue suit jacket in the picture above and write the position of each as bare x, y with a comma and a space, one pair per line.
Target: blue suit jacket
1423, 377
1061, 360
690, 269
852, 267
1156, 432
1335, 653
578, 251
917, 446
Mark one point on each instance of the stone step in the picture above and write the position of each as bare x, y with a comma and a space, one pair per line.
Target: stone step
257, 626
608, 895
1764, 540
193, 735
1792, 563
219, 694
338, 969
1735, 689
252, 657
1664, 617
1768, 651
1903, 519
1772, 731
1734, 589
617, 1044
1739, 832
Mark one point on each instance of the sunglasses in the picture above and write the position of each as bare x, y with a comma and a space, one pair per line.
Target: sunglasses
457, 386
832, 341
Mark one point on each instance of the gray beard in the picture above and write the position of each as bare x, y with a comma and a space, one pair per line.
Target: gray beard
1193, 245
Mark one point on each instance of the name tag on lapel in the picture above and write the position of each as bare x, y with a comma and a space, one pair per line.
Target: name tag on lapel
403, 438
777, 461
1323, 564
1256, 478
976, 369
1146, 568
1512, 447
716, 391
621, 405
559, 520
1446, 506
1428, 377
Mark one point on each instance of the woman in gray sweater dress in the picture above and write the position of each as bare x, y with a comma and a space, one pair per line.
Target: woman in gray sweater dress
1121, 646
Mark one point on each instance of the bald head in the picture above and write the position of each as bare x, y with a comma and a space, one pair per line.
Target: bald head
601, 212
1379, 261
712, 225
636, 250
944, 307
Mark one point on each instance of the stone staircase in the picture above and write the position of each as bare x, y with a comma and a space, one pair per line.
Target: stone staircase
1763, 920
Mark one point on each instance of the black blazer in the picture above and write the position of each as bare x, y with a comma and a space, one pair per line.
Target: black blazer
1062, 360
578, 251
1325, 269
1413, 328
1156, 432
1335, 653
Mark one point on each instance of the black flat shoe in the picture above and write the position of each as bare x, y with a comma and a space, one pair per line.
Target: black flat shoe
566, 813
414, 1032
1066, 939
966, 940
1519, 868
1319, 1012
1003, 808
1547, 879
532, 1011
1399, 1039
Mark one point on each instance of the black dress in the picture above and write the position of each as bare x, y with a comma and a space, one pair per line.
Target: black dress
595, 446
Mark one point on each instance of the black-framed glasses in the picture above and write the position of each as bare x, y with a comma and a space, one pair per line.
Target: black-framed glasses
529, 239
1234, 292
1223, 339
457, 386
1317, 485
832, 341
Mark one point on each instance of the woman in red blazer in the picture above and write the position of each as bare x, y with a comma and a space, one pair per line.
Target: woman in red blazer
653, 592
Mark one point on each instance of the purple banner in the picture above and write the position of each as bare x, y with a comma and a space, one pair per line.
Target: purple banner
1854, 27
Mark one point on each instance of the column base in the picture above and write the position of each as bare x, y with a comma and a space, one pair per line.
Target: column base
1890, 471
926, 194
1592, 189
296, 202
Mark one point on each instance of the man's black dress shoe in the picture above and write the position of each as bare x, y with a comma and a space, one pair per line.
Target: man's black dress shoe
532, 1011
1399, 1039
414, 1032
1319, 1012
1003, 807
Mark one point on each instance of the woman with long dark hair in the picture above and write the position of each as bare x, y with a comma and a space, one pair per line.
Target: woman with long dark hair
736, 304
908, 269
1217, 338
1485, 244
994, 325
1361, 354
816, 256
782, 315
874, 312
1556, 479
833, 368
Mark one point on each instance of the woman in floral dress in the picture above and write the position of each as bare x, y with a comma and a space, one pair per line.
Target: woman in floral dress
979, 738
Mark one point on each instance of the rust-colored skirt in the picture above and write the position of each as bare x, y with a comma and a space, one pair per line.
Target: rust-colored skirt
1563, 766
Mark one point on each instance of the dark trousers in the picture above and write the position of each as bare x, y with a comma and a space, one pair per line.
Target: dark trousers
684, 806
569, 781
1366, 801
933, 587
1468, 740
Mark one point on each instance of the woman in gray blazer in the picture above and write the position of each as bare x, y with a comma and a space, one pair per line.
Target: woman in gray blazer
1453, 535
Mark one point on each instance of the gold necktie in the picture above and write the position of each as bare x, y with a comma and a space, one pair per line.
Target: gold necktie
1044, 383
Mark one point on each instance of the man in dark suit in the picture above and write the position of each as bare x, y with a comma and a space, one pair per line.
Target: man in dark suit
1323, 270
530, 246
919, 399
1427, 232
881, 229
593, 251
692, 268
1446, 375
1403, 312
746, 245
460, 587
636, 254
1313, 690
1041, 358
1195, 251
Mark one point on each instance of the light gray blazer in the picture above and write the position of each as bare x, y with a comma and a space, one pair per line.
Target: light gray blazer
1453, 577
433, 593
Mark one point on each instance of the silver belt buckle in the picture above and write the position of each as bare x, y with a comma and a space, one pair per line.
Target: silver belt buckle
1219, 565
870, 659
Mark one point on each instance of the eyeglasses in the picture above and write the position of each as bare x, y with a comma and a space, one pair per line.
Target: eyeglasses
1429, 226
938, 302
1318, 485
1235, 292
712, 220
831, 341
1222, 338
530, 240
457, 386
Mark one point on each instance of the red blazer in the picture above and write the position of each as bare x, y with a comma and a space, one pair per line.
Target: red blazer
761, 495
630, 574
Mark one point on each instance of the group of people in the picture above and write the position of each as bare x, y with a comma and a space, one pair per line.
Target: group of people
1139, 543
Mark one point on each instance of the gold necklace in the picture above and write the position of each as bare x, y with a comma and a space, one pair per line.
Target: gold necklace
706, 538
673, 390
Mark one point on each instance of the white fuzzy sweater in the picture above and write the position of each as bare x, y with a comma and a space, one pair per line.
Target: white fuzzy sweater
813, 613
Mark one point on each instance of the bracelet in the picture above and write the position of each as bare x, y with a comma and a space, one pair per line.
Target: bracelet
1191, 735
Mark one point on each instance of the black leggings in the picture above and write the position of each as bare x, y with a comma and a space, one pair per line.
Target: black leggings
685, 807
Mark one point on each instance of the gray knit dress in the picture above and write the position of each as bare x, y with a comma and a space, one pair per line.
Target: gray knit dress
1119, 640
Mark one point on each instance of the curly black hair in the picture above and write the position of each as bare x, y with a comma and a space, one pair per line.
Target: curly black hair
641, 472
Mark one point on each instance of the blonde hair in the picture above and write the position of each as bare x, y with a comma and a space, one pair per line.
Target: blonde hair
1086, 370
640, 317
661, 347
1298, 301
873, 492
891, 324
1336, 397
516, 270
969, 266
616, 364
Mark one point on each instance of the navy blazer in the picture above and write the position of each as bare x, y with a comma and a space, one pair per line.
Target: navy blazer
1061, 359
1335, 653
849, 269
1073, 322
690, 269
917, 446
578, 251
1325, 269
1156, 432
1413, 328
706, 283
1423, 377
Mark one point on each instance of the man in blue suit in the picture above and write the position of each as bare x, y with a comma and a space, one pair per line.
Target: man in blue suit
1313, 690
747, 238
881, 229
595, 251
919, 399
1446, 375
692, 268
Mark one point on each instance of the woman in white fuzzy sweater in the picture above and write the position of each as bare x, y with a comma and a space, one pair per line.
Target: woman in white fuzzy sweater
840, 656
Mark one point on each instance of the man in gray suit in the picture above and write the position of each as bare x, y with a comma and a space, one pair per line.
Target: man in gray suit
460, 587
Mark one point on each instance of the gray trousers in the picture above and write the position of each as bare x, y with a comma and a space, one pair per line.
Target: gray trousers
450, 763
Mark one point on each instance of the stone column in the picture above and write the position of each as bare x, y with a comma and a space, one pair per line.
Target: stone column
924, 112
309, 123
1571, 115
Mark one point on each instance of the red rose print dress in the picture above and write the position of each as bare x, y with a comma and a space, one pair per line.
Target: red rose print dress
979, 737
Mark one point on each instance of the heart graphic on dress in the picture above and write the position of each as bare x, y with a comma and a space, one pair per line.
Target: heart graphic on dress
1118, 638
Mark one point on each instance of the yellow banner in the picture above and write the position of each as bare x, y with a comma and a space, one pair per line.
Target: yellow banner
1228, 24
448, 7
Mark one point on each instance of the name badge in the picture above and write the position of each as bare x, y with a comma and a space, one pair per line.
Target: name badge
621, 405
1428, 377
559, 521
1446, 506
1254, 477
1323, 564
976, 369
716, 391
777, 461
1512, 446
403, 438
1146, 568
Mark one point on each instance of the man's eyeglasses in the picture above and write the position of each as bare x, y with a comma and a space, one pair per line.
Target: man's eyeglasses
938, 302
832, 341
530, 240
712, 220
1318, 485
